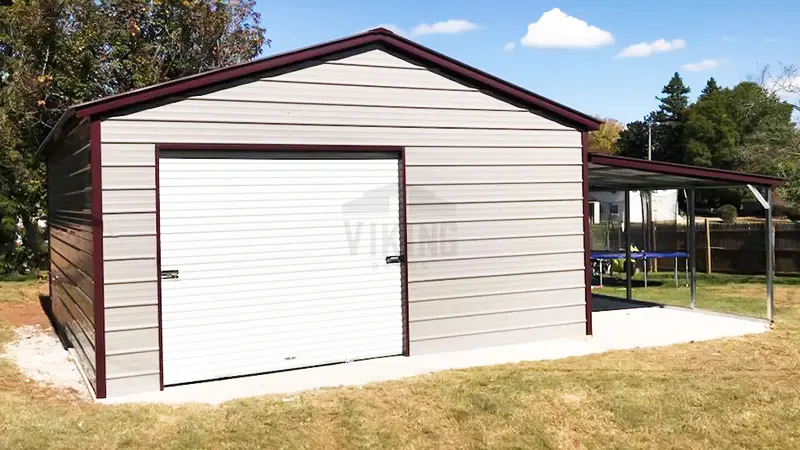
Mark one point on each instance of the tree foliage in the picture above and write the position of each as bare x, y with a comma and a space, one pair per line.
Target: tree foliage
747, 128
56, 53
667, 125
605, 138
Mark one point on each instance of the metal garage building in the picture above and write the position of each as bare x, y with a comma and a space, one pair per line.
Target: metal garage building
362, 198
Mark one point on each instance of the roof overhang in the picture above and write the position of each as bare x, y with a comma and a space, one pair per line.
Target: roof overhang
378, 38
617, 173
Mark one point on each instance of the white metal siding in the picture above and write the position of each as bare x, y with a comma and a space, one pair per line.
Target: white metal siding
304, 282
478, 169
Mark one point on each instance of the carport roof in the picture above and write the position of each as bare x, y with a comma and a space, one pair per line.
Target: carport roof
607, 172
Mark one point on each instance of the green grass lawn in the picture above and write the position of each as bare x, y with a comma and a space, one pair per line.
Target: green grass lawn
736, 294
739, 393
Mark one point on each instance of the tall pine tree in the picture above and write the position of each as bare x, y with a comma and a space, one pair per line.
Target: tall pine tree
671, 118
668, 127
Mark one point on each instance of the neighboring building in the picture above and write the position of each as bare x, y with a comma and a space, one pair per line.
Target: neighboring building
611, 206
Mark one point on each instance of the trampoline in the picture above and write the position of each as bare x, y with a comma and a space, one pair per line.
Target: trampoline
607, 256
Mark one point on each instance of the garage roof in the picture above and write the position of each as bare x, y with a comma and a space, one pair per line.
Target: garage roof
377, 38
607, 172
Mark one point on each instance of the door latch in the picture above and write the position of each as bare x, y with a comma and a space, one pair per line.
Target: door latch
169, 274
396, 259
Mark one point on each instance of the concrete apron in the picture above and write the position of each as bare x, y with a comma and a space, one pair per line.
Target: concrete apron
613, 330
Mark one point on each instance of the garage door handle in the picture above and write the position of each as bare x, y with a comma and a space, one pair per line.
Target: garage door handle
397, 259
169, 274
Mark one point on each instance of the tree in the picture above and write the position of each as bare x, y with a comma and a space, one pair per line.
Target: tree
711, 132
711, 88
783, 82
667, 123
56, 53
604, 139
632, 141
671, 137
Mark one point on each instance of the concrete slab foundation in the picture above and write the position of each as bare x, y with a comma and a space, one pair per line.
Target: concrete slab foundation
613, 330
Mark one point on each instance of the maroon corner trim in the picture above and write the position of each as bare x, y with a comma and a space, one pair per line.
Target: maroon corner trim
587, 229
380, 36
403, 196
668, 168
97, 261
284, 147
158, 273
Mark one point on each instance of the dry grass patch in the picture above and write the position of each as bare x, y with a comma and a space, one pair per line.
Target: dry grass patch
734, 393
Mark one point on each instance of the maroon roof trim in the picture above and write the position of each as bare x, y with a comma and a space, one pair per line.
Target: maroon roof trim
380, 37
668, 168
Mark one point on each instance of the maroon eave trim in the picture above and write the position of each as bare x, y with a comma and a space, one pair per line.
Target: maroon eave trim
378, 37
668, 168
587, 229
284, 148
97, 262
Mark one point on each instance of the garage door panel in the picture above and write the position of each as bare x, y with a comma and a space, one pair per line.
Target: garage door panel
293, 289
252, 335
201, 307
282, 354
277, 272
318, 194
216, 369
211, 225
264, 260
280, 264
278, 206
350, 190
262, 343
281, 320
347, 234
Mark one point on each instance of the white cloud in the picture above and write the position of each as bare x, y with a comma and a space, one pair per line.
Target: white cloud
393, 28
509, 47
556, 29
453, 26
644, 49
706, 64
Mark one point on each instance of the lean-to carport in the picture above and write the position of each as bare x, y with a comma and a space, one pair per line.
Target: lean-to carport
616, 173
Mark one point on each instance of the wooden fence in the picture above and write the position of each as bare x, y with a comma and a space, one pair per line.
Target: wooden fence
735, 248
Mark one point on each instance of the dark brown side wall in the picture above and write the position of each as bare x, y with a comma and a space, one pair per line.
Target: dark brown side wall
69, 185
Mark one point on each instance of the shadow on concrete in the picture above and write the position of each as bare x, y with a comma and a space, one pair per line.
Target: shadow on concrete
607, 303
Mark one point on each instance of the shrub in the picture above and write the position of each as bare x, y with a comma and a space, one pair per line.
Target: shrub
790, 212
727, 213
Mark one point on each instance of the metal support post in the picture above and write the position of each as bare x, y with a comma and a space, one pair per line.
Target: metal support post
770, 256
628, 262
692, 247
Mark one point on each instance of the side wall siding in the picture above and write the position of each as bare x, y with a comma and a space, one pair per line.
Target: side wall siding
72, 276
129, 263
494, 200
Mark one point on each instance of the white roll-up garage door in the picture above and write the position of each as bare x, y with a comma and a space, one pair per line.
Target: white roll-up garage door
272, 262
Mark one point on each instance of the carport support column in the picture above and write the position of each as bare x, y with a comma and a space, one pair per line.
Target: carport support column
770, 255
692, 247
628, 265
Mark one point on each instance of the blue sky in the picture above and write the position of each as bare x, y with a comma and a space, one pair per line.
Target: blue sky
570, 56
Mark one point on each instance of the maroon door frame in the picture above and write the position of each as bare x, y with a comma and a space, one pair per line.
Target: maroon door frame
291, 148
